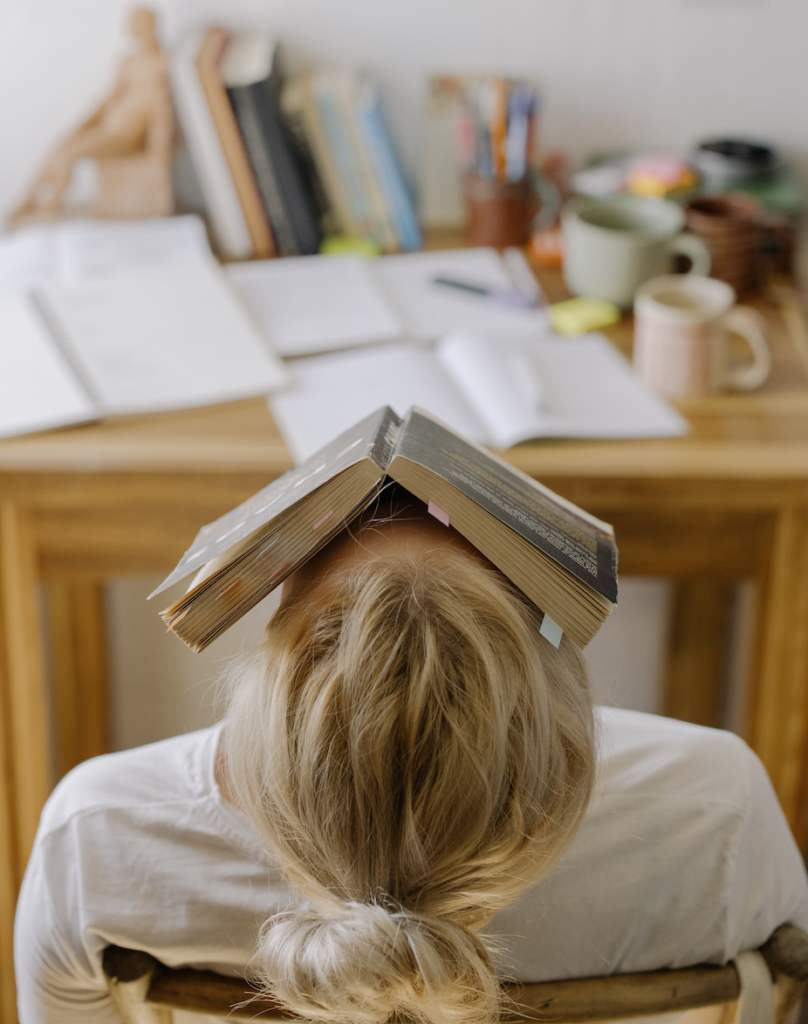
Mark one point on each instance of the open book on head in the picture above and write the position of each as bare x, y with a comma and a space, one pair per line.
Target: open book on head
561, 558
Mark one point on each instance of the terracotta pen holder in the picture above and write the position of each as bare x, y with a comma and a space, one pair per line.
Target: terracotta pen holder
502, 213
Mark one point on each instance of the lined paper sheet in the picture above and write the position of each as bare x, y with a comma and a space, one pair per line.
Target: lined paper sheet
162, 337
332, 392
312, 304
38, 390
429, 310
522, 388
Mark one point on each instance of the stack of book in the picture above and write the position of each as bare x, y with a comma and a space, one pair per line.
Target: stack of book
281, 165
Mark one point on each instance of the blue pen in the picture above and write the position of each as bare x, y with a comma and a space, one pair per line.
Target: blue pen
505, 296
518, 129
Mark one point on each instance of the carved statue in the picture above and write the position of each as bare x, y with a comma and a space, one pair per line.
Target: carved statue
129, 137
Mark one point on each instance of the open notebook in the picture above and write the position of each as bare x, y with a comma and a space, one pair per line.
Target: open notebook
146, 339
497, 389
317, 304
563, 559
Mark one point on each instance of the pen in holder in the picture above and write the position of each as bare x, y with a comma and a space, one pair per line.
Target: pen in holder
504, 213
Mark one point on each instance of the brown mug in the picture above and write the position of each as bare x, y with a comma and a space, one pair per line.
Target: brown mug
731, 228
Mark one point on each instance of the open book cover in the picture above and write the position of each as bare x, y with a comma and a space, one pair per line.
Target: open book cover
563, 559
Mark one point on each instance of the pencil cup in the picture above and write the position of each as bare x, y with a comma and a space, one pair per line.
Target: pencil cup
502, 213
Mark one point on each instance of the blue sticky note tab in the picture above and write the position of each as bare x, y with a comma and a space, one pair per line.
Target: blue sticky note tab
551, 630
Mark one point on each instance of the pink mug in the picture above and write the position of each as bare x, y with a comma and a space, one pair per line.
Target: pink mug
682, 325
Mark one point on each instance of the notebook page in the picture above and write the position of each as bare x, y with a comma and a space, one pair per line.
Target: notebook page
590, 390
87, 248
310, 304
331, 392
38, 389
162, 337
525, 388
430, 310
500, 379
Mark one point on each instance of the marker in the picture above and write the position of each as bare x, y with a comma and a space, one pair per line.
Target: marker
507, 296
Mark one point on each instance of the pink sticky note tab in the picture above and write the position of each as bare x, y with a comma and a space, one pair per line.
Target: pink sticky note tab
438, 513
323, 519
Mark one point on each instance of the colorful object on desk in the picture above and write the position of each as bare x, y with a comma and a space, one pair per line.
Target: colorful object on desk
661, 175
348, 245
498, 130
505, 296
547, 248
581, 315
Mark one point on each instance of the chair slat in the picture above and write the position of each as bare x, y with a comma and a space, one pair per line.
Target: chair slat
576, 1000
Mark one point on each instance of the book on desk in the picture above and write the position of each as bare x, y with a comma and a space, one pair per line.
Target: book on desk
326, 337
281, 163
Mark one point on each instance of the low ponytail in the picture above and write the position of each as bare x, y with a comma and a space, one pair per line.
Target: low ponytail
415, 755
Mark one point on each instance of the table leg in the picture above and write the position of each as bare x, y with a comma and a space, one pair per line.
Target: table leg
777, 710
8, 875
697, 650
25, 743
78, 641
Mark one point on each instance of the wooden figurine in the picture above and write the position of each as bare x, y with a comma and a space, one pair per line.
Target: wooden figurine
129, 137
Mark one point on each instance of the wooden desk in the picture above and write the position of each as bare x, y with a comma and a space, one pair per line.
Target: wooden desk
728, 503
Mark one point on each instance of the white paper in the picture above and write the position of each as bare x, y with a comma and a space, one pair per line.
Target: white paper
38, 389
71, 250
523, 387
89, 248
311, 304
162, 337
332, 392
429, 310
501, 380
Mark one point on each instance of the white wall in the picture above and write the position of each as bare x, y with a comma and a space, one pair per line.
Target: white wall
614, 72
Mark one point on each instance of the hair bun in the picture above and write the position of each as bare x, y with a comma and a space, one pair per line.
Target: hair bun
363, 962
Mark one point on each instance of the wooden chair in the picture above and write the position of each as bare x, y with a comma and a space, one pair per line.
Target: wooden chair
147, 992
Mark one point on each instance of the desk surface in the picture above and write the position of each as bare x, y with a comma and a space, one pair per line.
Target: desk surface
751, 437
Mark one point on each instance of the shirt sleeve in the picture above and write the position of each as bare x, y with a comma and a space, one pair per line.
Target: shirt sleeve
766, 880
57, 982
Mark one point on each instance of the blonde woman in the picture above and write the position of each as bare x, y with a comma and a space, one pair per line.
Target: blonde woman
408, 798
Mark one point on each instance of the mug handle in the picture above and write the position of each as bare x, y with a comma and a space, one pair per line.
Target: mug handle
549, 197
749, 325
695, 250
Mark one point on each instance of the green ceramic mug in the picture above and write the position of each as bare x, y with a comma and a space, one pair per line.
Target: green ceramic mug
615, 244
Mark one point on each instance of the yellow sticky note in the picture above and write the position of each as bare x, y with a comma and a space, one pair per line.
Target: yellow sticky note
577, 316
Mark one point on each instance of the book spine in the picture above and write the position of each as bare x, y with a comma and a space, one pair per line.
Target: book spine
345, 158
390, 173
228, 226
301, 206
386, 439
300, 97
244, 100
208, 63
383, 226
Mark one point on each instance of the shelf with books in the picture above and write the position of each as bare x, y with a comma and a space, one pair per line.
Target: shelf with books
283, 164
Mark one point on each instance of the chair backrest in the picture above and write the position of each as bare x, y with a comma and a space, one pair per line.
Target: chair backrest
147, 992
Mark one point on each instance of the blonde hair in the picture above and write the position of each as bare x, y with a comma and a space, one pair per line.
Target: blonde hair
415, 755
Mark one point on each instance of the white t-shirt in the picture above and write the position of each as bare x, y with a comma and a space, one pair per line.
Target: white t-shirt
684, 856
